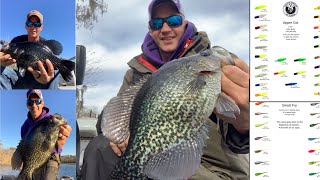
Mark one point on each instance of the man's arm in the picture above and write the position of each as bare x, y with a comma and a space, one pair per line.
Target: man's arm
52, 167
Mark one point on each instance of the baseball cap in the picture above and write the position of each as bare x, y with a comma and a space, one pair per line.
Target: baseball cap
155, 3
34, 91
35, 13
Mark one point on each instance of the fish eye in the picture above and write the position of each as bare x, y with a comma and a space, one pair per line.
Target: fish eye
58, 116
204, 53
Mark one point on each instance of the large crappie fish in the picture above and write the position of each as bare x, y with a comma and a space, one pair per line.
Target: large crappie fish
166, 117
29, 53
35, 149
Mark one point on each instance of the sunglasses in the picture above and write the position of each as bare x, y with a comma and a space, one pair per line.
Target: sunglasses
30, 102
35, 24
172, 21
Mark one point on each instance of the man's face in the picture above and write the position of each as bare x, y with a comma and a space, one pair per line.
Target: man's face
35, 110
34, 31
167, 38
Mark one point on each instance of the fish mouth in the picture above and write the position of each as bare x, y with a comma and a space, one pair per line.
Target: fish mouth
62, 123
59, 120
205, 73
4, 48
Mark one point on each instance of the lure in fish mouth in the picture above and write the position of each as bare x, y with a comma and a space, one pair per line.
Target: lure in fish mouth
166, 114
58, 119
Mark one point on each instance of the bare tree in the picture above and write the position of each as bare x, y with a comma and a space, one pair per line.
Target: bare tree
93, 67
80, 100
88, 11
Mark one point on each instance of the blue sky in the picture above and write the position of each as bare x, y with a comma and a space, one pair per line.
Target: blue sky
13, 112
58, 19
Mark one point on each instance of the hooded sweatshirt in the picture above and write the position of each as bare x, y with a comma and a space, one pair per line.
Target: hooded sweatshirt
29, 123
151, 50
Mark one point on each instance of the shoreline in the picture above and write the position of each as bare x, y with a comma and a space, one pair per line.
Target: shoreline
6, 154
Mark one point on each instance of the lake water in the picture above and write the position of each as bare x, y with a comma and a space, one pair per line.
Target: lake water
65, 170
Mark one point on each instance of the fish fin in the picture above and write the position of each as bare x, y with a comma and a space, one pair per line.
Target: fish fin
226, 106
16, 159
22, 72
116, 114
179, 161
195, 85
55, 46
65, 68
115, 120
226, 56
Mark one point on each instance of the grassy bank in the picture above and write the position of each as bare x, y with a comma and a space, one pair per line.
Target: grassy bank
6, 154
68, 159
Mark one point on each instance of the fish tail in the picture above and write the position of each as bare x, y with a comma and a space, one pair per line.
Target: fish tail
65, 68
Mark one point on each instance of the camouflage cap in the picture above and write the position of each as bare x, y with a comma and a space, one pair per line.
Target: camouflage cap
34, 91
35, 13
155, 3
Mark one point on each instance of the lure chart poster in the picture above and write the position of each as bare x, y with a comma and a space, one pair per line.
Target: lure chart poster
284, 50
284, 89
285, 140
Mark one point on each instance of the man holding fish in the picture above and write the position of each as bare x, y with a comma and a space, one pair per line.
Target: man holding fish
42, 137
33, 72
170, 37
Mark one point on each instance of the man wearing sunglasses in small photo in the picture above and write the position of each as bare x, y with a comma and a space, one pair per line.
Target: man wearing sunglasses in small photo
171, 36
37, 114
42, 79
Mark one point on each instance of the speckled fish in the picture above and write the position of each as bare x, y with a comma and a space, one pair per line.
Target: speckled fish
35, 149
29, 53
166, 116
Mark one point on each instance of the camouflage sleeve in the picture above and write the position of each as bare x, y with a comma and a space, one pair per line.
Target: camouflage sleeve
127, 81
235, 141
50, 170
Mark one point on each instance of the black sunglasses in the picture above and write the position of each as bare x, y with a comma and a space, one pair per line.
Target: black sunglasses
172, 21
30, 102
35, 24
